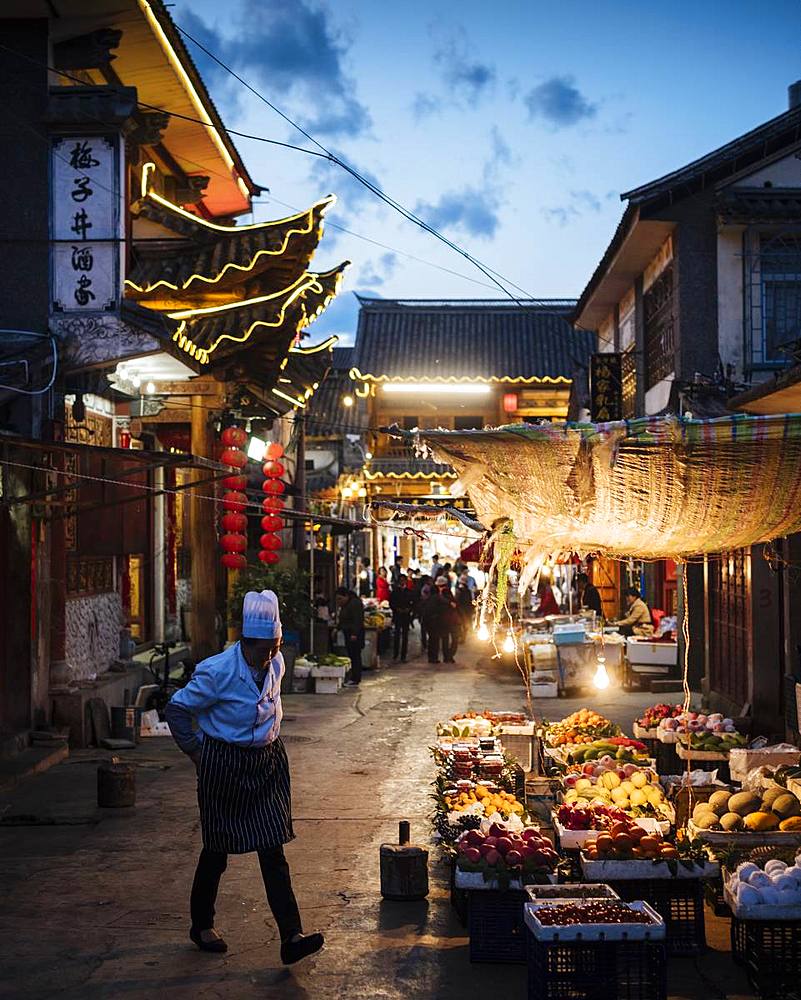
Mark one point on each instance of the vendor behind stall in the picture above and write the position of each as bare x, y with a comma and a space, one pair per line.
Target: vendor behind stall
638, 620
589, 595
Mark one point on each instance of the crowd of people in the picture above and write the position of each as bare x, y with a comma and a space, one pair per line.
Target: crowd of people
440, 603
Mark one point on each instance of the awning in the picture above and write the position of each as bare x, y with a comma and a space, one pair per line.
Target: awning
652, 488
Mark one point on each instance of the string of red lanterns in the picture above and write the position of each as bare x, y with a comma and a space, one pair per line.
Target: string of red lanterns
234, 522
273, 489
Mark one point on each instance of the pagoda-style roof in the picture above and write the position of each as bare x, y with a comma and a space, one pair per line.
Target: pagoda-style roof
214, 334
210, 262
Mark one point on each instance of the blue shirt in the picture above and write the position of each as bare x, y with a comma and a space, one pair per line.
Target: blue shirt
227, 703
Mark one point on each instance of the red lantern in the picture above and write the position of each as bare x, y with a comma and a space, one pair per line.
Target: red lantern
273, 470
234, 501
270, 542
268, 557
235, 482
233, 543
124, 439
509, 402
233, 437
275, 450
233, 522
273, 486
270, 504
233, 560
234, 457
271, 522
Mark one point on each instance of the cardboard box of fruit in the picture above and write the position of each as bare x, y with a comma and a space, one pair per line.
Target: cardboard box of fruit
749, 818
575, 826
593, 920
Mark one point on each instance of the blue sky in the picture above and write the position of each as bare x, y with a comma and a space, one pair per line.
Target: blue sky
512, 127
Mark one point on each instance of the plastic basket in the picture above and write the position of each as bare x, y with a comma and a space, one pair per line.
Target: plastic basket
596, 970
496, 927
679, 903
770, 953
459, 898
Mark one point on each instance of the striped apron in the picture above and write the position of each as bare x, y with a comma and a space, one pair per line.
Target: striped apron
244, 796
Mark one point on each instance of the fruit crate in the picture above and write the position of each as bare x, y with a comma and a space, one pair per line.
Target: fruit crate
680, 903
496, 926
770, 953
705, 760
596, 970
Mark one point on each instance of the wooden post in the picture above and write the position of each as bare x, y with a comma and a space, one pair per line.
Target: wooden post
203, 540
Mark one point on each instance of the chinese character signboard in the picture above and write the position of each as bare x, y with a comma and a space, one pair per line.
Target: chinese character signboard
606, 388
86, 221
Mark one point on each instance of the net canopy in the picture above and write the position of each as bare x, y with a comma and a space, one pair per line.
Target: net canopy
653, 488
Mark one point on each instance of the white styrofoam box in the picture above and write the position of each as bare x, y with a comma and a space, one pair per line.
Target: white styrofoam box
761, 911
612, 870
653, 653
544, 689
570, 893
301, 669
475, 880
327, 685
643, 734
329, 671
654, 930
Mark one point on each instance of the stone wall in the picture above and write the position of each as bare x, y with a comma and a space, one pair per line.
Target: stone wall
93, 634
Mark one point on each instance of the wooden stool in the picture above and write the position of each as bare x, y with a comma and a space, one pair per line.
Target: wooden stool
404, 868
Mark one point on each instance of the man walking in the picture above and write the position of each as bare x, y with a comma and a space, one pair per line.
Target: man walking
401, 601
351, 622
440, 617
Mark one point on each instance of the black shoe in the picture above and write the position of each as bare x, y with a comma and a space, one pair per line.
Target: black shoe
450, 660
216, 945
294, 951
403, 659
350, 684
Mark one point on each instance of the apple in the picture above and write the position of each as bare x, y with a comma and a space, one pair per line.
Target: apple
514, 859
473, 838
607, 760
629, 769
570, 780
485, 848
503, 845
473, 855
492, 857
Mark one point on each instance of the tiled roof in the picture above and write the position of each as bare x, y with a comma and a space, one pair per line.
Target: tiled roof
325, 414
478, 340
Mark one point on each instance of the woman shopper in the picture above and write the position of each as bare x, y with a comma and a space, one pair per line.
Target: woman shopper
242, 773
382, 590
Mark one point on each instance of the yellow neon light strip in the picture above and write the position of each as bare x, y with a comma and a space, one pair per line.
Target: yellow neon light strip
362, 393
289, 399
358, 376
172, 56
146, 192
408, 475
316, 348
307, 281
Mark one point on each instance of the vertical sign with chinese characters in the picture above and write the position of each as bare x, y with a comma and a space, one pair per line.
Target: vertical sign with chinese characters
606, 388
86, 223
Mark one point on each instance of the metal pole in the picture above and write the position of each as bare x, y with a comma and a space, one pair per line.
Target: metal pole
311, 584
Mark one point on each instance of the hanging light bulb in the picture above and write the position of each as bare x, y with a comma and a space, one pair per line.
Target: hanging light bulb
135, 381
150, 388
601, 678
509, 644
483, 632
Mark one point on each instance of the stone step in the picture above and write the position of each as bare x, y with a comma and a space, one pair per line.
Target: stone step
33, 760
13, 743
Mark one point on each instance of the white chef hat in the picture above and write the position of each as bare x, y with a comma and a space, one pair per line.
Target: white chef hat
261, 618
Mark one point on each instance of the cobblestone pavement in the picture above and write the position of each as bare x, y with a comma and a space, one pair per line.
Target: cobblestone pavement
94, 902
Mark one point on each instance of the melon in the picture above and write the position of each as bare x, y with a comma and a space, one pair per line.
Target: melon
744, 803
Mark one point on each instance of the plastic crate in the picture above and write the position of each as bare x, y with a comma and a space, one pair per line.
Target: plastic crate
496, 926
596, 970
680, 903
770, 953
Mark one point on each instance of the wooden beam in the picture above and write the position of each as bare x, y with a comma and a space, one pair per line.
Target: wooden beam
194, 387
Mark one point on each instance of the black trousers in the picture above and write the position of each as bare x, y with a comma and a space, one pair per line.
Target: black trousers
445, 638
400, 636
354, 650
277, 882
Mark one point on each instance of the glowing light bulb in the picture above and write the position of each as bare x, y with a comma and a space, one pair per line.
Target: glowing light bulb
150, 388
347, 400
509, 644
368, 455
483, 632
135, 381
601, 678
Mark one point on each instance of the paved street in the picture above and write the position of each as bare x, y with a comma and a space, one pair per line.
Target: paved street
95, 905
